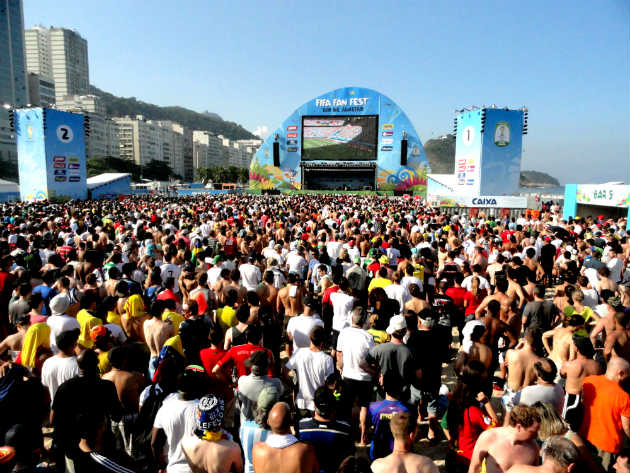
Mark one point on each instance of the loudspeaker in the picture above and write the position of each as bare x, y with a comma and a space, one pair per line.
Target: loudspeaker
403, 152
276, 154
400, 193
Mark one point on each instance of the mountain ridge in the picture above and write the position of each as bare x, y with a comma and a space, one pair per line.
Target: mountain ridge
206, 121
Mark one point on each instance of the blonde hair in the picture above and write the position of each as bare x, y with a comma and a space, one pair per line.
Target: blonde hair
550, 422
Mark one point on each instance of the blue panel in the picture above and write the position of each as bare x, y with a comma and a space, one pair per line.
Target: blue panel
349, 101
501, 152
65, 154
569, 208
31, 154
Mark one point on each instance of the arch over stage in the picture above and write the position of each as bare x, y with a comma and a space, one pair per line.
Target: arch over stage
348, 137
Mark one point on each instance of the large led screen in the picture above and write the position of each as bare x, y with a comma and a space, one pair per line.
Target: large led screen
340, 138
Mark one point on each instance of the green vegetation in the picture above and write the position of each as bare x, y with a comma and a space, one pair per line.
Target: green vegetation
121, 106
222, 174
322, 148
155, 170
441, 156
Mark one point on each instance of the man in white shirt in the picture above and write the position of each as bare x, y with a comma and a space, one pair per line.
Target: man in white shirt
59, 321
250, 274
476, 272
410, 279
296, 262
333, 248
312, 366
342, 303
177, 419
398, 292
171, 270
63, 365
300, 327
353, 345
615, 265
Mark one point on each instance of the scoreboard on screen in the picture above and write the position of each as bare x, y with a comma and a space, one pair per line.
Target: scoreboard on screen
51, 154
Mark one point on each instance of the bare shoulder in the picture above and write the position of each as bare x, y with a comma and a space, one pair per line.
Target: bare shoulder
379, 465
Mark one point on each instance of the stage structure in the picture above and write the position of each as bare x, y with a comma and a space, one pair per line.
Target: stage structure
51, 154
488, 149
347, 139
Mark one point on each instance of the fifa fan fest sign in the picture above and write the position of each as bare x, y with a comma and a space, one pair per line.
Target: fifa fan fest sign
351, 127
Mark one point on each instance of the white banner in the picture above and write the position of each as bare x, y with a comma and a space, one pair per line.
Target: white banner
488, 201
605, 195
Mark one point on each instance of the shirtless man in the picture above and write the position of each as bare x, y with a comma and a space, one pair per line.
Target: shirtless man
402, 459
575, 370
562, 337
604, 281
515, 290
267, 292
14, 341
561, 456
156, 332
532, 264
495, 327
129, 384
204, 452
500, 295
617, 341
290, 298
220, 284
498, 449
520, 369
282, 451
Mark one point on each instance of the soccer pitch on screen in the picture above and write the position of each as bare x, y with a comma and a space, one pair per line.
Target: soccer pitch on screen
339, 138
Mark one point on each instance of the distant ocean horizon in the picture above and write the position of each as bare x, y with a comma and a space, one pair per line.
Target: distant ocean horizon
554, 190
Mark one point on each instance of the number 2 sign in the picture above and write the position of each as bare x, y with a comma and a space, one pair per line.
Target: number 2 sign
64, 133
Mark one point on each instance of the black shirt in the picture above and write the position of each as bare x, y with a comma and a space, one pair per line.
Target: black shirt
424, 344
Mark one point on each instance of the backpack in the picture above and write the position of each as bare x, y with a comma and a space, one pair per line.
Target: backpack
143, 425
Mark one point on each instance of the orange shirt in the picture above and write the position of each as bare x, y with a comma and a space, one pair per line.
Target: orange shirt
604, 405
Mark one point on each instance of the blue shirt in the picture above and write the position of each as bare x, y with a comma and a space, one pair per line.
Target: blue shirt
47, 293
379, 414
332, 441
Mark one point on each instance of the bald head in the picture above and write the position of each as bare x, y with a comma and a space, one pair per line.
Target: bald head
617, 369
280, 418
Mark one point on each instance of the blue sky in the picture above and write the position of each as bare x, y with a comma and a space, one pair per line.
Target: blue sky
255, 62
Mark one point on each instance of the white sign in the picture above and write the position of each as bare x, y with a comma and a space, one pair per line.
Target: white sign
604, 195
486, 201
64, 133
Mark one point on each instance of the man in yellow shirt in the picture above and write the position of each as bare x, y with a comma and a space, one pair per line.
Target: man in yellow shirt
226, 315
380, 281
87, 320
170, 315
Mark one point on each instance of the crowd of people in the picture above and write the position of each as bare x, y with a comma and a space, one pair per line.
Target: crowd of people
310, 333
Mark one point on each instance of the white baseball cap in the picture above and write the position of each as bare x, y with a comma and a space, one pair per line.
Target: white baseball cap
396, 323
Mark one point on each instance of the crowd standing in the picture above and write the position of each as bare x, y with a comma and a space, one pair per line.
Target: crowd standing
310, 334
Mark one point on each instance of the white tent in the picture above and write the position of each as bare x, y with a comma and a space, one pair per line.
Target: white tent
8, 186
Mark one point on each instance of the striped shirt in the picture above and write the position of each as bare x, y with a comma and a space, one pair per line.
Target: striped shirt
250, 433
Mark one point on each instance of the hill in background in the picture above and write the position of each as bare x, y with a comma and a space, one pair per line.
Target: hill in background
207, 121
441, 155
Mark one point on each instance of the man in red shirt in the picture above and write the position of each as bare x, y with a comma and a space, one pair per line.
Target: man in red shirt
237, 355
606, 410
458, 294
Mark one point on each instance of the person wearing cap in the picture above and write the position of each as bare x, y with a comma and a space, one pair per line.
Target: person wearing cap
210, 449
257, 430
331, 438
250, 386
300, 327
394, 357
353, 346
60, 321
63, 365
357, 276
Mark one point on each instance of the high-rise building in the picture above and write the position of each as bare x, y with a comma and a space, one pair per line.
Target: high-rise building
41, 91
112, 140
13, 84
208, 149
62, 54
